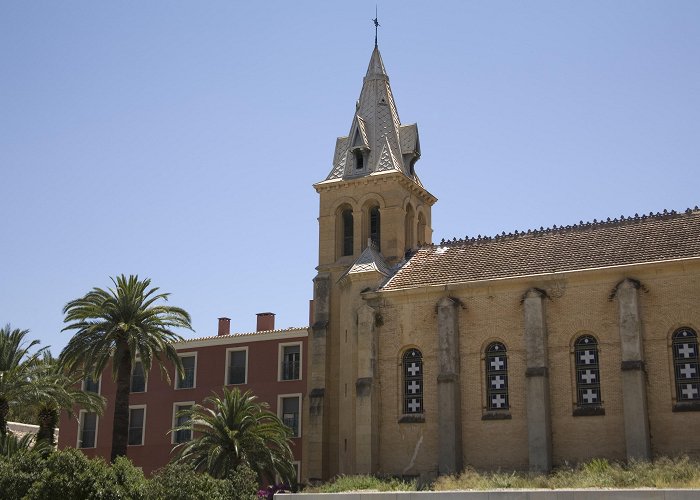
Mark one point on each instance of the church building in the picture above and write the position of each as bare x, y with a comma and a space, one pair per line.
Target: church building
518, 351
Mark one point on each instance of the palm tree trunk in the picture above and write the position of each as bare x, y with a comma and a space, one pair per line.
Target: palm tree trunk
48, 419
4, 410
120, 429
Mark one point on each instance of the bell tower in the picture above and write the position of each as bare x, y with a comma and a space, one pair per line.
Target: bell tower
373, 210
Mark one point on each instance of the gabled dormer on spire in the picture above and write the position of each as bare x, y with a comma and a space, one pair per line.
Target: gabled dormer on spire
377, 141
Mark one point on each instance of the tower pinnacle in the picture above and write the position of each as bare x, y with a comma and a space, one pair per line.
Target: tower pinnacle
376, 26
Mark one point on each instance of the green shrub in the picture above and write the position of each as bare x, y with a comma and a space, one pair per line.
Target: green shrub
359, 483
70, 474
18, 473
181, 482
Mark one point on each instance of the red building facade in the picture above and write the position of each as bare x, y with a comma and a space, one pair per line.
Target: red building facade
269, 362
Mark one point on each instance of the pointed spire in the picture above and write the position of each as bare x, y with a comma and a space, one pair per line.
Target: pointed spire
377, 142
376, 69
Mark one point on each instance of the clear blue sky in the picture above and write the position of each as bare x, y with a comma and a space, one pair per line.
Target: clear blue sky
179, 140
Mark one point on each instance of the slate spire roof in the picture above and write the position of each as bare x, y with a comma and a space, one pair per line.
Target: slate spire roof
630, 240
370, 260
377, 142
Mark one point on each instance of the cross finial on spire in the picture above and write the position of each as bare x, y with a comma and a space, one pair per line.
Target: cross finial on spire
376, 25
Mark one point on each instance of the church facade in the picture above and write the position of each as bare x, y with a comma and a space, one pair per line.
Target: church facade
518, 351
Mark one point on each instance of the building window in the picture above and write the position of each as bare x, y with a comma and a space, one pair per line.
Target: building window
290, 362
290, 411
685, 365
412, 382
348, 241
91, 385
374, 227
496, 377
359, 159
181, 435
421, 229
236, 366
588, 397
87, 430
188, 379
138, 378
409, 224
137, 420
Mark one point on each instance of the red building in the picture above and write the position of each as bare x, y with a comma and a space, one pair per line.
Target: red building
269, 362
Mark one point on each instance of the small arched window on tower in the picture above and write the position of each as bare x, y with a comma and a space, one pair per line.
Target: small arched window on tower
421, 229
347, 228
496, 360
412, 382
586, 361
374, 226
686, 369
359, 159
410, 223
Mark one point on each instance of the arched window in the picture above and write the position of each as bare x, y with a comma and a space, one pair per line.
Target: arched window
685, 365
496, 377
359, 159
421, 229
410, 222
374, 226
347, 227
412, 382
587, 372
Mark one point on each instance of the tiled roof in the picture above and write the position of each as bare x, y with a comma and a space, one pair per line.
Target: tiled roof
631, 240
243, 334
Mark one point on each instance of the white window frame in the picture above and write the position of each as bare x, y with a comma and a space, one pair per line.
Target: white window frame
174, 422
99, 385
81, 421
228, 364
280, 361
143, 429
192, 354
281, 397
145, 379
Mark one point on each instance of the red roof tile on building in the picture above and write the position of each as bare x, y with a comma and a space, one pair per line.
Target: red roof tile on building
633, 240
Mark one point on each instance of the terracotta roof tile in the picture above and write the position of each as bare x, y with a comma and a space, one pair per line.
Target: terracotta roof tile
632, 240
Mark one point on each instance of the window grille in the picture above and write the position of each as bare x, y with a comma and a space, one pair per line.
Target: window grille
236, 367
413, 382
347, 231
587, 372
91, 385
186, 381
136, 421
685, 365
138, 378
182, 435
88, 430
374, 226
290, 414
291, 362
496, 361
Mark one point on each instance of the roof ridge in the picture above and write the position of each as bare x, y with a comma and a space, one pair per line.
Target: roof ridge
568, 228
243, 334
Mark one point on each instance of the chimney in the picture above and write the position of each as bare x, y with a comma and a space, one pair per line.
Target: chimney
266, 321
224, 326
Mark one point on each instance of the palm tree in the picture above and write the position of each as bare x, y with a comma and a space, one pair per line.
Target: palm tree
17, 386
61, 392
119, 324
232, 430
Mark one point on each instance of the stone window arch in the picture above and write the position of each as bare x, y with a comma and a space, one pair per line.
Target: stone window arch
421, 229
412, 367
409, 229
496, 366
686, 369
345, 230
587, 369
371, 224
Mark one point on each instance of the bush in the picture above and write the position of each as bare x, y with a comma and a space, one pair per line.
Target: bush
18, 473
181, 482
70, 474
